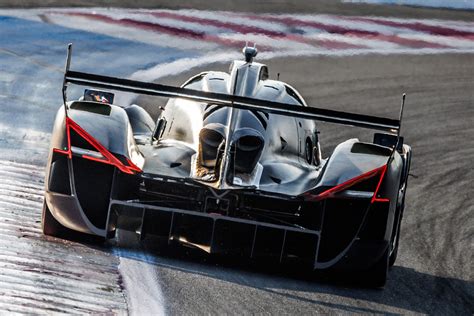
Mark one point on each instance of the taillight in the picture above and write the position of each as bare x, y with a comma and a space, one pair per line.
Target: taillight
101, 155
366, 185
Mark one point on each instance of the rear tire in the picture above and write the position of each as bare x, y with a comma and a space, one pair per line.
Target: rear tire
394, 252
393, 256
377, 276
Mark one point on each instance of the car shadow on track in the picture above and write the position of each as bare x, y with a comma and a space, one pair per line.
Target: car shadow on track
406, 288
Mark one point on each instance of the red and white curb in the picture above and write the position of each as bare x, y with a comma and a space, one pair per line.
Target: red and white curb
42, 275
207, 31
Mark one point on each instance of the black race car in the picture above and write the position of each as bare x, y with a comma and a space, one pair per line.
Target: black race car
232, 166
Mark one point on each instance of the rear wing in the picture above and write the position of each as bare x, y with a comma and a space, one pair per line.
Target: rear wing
154, 89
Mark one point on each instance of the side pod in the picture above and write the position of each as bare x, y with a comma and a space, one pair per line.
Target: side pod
90, 151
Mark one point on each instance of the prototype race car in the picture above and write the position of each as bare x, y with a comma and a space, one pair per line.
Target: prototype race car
232, 166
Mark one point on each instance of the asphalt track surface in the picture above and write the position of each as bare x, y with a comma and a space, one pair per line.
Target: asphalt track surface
433, 274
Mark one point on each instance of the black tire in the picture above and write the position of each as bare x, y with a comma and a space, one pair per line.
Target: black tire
377, 276
393, 255
51, 227
394, 252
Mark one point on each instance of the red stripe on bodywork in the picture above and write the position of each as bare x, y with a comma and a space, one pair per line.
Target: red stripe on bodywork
375, 198
63, 152
109, 158
67, 152
345, 185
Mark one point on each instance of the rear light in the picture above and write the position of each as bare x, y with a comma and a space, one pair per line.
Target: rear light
101, 155
340, 188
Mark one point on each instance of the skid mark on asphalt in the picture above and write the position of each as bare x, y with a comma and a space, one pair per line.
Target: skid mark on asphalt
31, 60
40, 274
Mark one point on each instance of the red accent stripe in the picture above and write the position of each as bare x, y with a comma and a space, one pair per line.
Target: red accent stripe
97, 159
67, 152
132, 166
60, 151
340, 187
374, 197
110, 159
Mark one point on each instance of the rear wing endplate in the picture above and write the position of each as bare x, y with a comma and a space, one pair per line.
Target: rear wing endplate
155, 89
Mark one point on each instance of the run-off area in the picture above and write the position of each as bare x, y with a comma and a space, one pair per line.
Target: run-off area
43, 275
